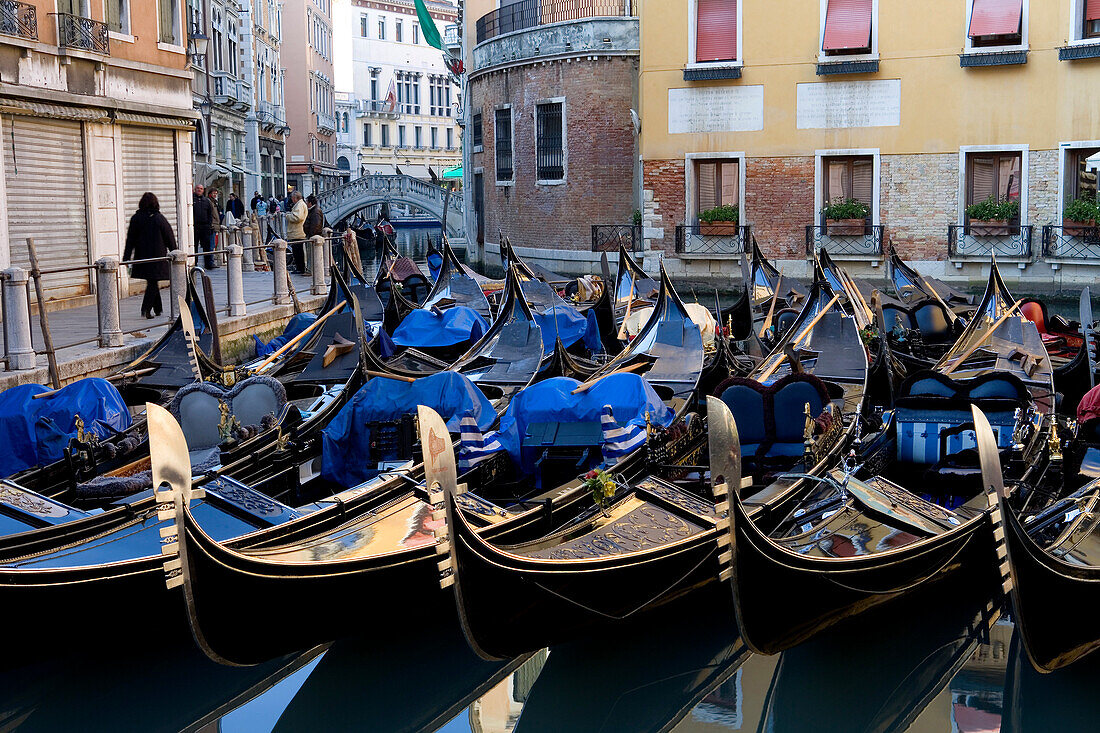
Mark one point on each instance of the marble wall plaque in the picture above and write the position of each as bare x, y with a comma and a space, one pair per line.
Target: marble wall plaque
716, 109
849, 104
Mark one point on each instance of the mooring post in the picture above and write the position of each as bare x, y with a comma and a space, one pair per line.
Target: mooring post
106, 283
327, 233
244, 234
178, 280
16, 309
278, 269
318, 243
235, 280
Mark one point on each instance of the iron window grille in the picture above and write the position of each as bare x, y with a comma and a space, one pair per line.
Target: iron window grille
550, 150
504, 144
18, 19
476, 123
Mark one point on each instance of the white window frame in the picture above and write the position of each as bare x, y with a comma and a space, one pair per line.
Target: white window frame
969, 48
1063, 151
825, 58
819, 178
1077, 12
564, 143
126, 35
690, 159
512, 125
692, 30
965, 150
177, 30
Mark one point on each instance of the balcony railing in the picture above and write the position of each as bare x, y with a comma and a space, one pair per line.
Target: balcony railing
980, 240
452, 36
18, 19
379, 108
710, 240
606, 237
74, 31
845, 240
326, 122
531, 13
1071, 242
271, 115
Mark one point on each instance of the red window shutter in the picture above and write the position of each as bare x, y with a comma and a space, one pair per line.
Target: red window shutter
716, 30
995, 17
1092, 10
847, 25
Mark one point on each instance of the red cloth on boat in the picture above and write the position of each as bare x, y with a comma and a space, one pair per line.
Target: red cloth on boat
1089, 408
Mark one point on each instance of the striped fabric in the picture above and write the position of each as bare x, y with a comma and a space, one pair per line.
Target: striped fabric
619, 442
1092, 10
918, 440
473, 446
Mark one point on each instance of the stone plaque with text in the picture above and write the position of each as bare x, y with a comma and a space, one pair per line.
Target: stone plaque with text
716, 109
849, 104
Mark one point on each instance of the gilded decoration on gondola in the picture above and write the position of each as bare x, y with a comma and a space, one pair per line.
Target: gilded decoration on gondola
30, 503
246, 498
680, 498
643, 528
476, 505
228, 423
900, 497
831, 425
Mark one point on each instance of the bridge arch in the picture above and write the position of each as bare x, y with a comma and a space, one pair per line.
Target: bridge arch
343, 201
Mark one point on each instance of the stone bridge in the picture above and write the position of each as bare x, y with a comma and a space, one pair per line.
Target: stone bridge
343, 201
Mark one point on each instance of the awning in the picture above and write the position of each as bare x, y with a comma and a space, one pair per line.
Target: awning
847, 25
453, 173
56, 111
379, 169
995, 17
416, 171
133, 118
716, 30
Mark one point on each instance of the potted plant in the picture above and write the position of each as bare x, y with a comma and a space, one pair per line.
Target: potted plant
846, 217
994, 216
1079, 215
721, 221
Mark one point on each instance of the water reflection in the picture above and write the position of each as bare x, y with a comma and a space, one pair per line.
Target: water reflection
413, 242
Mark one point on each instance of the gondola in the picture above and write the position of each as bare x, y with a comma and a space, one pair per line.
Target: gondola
380, 535
632, 284
662, 535
396, 271
912, 287
1064, 700
775, 300
912, 507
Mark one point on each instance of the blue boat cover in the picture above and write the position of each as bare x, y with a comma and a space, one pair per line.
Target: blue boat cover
571, 326
346, 442
425, 328
294, 326
435, 264
36, 432
629, 396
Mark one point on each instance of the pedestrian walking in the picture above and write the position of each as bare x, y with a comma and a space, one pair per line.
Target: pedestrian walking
256, 199
295, 230
235, 207
204, 218
149, 236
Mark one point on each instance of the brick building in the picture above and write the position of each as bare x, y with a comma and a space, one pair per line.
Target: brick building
552, 92
916, 111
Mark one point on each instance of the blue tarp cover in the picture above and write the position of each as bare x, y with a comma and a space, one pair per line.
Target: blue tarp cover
36, 432
571, 326
629, 395
346, 442
294, 326
424, 328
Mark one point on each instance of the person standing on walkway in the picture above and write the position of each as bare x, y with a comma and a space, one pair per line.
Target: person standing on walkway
213, 262
256, 199
295, 230
315, 220
149, 236
235, 207
204, 216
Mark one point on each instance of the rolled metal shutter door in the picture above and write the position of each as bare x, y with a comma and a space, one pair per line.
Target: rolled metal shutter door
44, 164
149, 164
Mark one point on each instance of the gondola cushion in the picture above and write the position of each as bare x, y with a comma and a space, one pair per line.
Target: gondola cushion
746, 400
198, 409
933, 321
918, 433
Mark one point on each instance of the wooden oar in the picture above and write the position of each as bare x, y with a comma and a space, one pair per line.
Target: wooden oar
798, 340
312, 327
385, 375
591, 382
978, 344
771, 308
112, 378
43, 315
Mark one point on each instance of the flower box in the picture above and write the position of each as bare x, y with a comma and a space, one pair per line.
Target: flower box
1077, 228
990, 228
718, 229
846, 227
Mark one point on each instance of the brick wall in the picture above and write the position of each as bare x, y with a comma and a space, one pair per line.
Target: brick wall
599, 187
779, 203
918, 198
663, 195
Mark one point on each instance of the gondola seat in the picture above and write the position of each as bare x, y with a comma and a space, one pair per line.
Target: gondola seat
746, 399
895, 315
1036, 312
784, 319
771, 420
206, 412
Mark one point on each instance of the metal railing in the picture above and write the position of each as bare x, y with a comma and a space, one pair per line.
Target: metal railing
18, 19
1071, 242
981, 240
531, 13
842, 240
74, 31
606, 237
704, 239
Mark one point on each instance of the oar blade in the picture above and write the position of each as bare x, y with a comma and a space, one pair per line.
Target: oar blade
988, 453
724, 446
1087, 331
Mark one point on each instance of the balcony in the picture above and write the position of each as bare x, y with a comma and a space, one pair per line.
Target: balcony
711, 242
845, 241
270, 115
378, 108
1071, 243
229, 91
326, 124
607, 237
84, 34
979, 241
452, 39
19, 20
531, 13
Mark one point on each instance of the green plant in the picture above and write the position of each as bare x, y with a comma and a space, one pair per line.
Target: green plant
602, 485
637, 217
993, 209
726, 212
846, 209
1081, 209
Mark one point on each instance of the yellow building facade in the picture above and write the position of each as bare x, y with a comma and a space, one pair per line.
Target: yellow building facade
917, 110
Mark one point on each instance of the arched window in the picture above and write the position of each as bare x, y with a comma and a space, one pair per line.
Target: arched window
199, 138
343, 164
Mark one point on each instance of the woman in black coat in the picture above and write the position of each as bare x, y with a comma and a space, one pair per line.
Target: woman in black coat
149, 236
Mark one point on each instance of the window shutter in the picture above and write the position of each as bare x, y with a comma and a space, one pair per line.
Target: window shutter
1009, 179
847, 25
836, 182
166, 22
727, 175
981, 179
708, 194
995, 17
716, 30
114, 20
1092, 10
863, 180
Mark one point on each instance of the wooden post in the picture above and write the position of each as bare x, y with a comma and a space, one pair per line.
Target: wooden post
43, 316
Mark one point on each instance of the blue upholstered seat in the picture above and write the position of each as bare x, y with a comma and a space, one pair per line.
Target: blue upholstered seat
746, 402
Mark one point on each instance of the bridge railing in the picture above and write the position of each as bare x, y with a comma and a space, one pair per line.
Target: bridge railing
427, 196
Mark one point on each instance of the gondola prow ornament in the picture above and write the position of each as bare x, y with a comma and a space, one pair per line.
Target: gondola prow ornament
440, 479
171, 469
724, 446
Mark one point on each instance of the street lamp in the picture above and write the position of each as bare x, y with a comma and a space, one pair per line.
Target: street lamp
197, 42
204, 106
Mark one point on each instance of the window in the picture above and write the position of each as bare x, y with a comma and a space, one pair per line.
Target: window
1091, 20
993, 175
1080, 176
366, 134
503, 129
717, 183
374, 86
450, 139
418, 136
416, 33
996, 23
715, 34
549, 141
168, 28
397, 31
400, 136
475, 123
363, 26
847, 27
435, 137
385, 135
447, 106
118, 16
849, 177
381, 29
